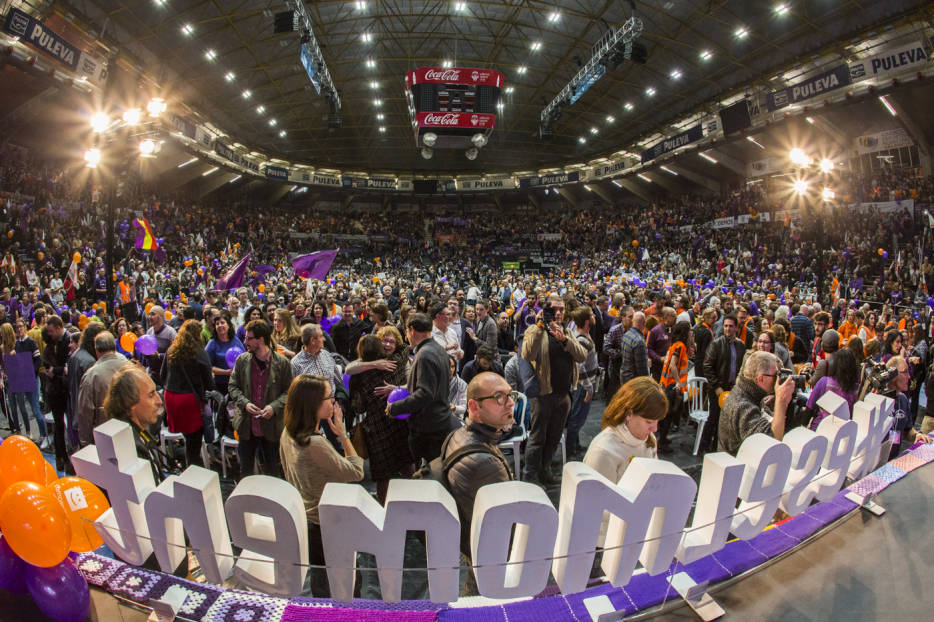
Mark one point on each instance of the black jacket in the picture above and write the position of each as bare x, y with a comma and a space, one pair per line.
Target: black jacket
429, 383
717, 362
346, 336
55, 358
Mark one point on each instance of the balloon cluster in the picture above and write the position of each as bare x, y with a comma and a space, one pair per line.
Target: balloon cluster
43, 518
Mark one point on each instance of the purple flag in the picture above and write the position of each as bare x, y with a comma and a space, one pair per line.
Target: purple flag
314, 265
233, 278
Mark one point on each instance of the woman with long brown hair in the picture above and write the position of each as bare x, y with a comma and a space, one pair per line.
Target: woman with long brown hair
285, 333
309, 461
187, 377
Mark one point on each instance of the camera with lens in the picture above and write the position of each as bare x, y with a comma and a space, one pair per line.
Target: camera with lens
877, 378
800, 380
548, 315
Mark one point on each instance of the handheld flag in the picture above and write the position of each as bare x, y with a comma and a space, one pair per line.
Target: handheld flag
233, 278
145, 239
314, 265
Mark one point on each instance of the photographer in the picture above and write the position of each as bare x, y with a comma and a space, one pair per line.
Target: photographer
903, 432
553, 351
751, 408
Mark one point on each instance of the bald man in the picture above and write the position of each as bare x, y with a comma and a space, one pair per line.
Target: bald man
490, 404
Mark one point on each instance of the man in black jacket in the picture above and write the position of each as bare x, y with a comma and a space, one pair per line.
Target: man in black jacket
55, 359
722, 363
427, 404
346, 333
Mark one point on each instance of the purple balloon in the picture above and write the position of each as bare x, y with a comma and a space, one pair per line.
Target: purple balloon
231, 356
61, 592
12, 570
347, 381
147, 345
399, 393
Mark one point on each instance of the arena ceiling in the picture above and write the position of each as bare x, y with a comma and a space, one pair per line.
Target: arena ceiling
536, 45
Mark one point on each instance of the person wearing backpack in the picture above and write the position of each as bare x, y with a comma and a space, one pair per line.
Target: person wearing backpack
470, 457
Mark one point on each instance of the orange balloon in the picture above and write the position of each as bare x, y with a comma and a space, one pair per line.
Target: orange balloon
261, 288
146, 309
84, 503
128, 341
50, 473
41, 255
722, 398
35, 524
20, 461
83, 322
168, 316
76, 257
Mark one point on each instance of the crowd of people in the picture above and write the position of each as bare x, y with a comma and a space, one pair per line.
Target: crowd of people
417, 353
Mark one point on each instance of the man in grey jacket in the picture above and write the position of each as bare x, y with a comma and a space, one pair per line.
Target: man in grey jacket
95, 384
751, 408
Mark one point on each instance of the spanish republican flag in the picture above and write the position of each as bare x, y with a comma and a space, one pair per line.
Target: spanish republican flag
145, 239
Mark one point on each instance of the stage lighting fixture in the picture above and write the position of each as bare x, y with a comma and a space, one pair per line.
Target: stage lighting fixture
479, 140
147, 148
826, 165
798, 157
92, 157
132, 116
827, 194
472, 153
801, 186
427, 152
429, 139
99, 122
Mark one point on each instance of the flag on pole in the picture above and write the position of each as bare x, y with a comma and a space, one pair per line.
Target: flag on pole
233, 278
71, 280
314, 265
145, 239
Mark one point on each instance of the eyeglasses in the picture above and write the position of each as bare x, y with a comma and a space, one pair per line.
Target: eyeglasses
499, 397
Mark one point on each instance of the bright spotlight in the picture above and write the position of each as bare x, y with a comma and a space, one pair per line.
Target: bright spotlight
427, 153
827, 194
99, 122
92, 157
132, 116
156, 106
801, 186
147, 148
478, 140
826, 165
429, 139
798, 157
472, 153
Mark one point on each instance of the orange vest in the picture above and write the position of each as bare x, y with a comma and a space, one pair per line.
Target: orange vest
672, 374
124, 292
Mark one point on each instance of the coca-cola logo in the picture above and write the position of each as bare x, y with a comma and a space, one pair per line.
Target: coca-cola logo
474, 119
441, 119
447, 75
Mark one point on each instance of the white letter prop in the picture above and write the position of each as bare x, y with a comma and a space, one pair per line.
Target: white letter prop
872, 418
112, 464
646, 519
353, 522
841, 436
721, 477
808, 450
767, 463
496, 509
835, 405
190, 503
267, 519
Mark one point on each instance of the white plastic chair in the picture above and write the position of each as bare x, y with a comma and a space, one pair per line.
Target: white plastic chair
169, 437
697, 409
515, 443
227, 442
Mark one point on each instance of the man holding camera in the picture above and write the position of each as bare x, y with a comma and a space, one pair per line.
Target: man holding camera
553, 351
757, 404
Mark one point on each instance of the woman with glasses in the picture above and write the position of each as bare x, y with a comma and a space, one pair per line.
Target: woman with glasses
381, 362
309, 461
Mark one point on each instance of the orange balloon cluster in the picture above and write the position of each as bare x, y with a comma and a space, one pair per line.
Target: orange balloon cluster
43, 517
